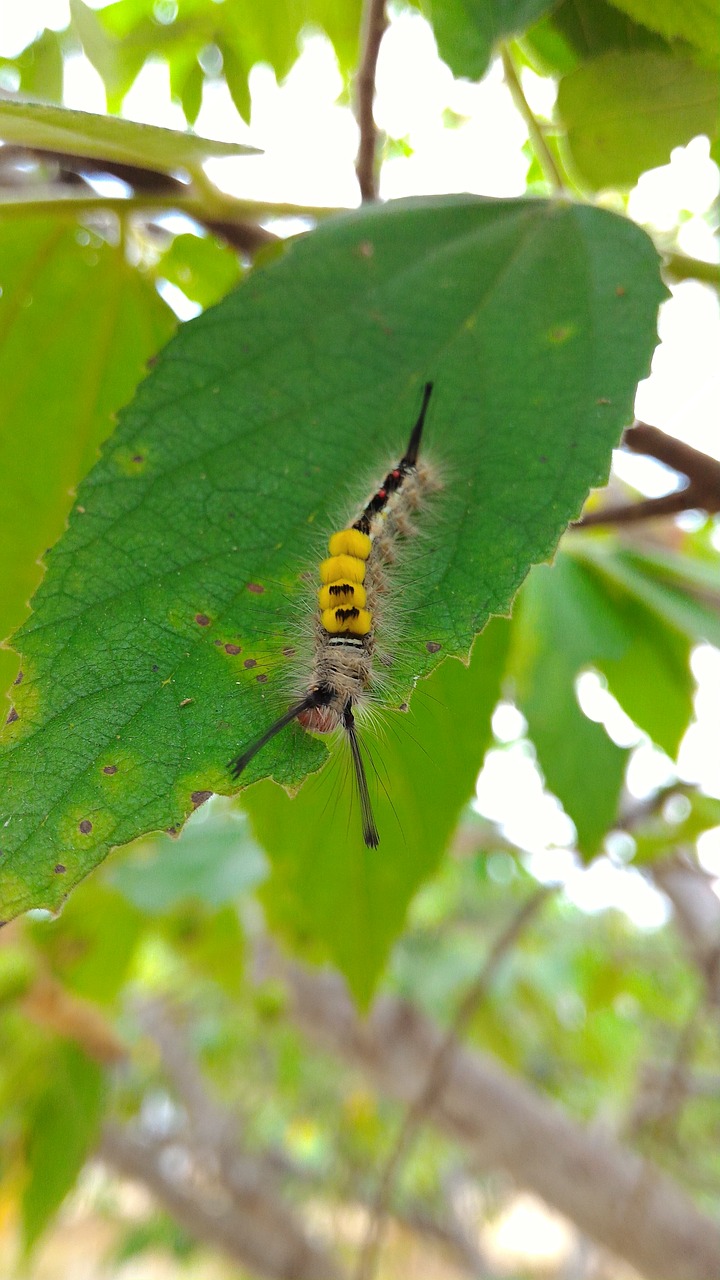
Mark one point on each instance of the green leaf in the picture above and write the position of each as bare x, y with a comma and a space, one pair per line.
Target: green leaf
203, 268
62, 1128
651, 679
325, 883
212, 862
562, 626
468, 30
157, 646
41, 67
117, 62
624, 113
577, 30
91, 944
33, 124
683, 819
680, 589
77, 325
697, 21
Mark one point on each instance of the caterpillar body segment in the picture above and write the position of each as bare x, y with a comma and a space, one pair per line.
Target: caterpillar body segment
352, 585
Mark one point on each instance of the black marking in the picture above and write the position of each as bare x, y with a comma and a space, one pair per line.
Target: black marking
341, 588
345, 615
348, 641
395, 478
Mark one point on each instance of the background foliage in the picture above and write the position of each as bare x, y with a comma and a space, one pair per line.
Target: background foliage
146, 660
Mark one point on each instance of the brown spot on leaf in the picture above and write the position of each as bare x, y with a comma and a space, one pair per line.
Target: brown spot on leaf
59, 869
171, 831
110, 768
262, 678
256, 588
202, 619
81, 511
365, 249
199, 797
249, 662
19, 678
289, 652
12, 716
403, 707
85, 826
138, 457
186, 702
433, 647
233, 649
620, 291
155, 667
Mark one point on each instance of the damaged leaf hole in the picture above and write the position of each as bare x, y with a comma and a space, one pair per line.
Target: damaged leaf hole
85, 827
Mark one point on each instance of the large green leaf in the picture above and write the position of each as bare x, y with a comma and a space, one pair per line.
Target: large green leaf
62, 1127
158, 645
326, 885
562, 625
468, 30
77, 325
624, 112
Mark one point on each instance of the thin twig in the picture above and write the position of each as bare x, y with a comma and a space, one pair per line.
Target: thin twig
701, 493
537, 137
678, 266
374, 24
436, 1079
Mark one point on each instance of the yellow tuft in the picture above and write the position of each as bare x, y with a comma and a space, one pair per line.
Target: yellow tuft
339, 567
357, 622
336, 593
350, 542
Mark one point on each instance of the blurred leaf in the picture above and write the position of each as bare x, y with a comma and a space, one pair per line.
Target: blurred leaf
697, 21
41, 67
157, 648
77, 325
651, 679
186, 84
577, 30
624, 113
425, 766
683, 590
61, 1129
681, 821
467, 31
212, 862
213, 944
91, 944
561, 626
33, 124
117, 62
201, 266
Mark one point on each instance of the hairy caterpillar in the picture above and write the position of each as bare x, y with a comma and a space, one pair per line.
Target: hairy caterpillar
352, 579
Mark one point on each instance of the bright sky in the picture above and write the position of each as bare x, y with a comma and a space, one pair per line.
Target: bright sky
310, 143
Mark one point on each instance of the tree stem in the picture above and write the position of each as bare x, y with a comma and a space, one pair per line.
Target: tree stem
537, 137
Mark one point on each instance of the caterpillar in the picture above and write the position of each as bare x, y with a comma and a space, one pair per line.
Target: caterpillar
351, 582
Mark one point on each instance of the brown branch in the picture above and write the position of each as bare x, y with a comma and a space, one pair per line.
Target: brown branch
434, 1083
374, 24
225, 1195
697, 912
610, 1193
700, 493
258, 1231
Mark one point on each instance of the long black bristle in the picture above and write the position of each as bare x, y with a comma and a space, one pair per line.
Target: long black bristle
411, 453
236, 766
369, 830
